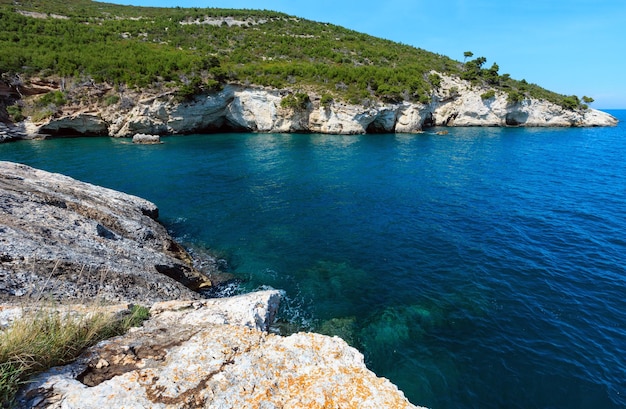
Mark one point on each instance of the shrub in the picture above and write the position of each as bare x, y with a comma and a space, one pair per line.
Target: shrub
326, 100
16, 113
572, 102
111, 100
488, 95
297, 101
56, 98
42, 114
515, 97
213, 85
46, 338
190, 89
435, 80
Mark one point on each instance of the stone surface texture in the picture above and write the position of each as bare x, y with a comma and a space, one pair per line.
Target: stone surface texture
455, 103
68, 240
10, 133
215, 354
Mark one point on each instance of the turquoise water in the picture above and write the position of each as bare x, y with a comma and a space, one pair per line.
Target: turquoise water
484, 268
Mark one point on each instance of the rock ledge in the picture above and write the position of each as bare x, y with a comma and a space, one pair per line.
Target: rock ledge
215, 354
70, 241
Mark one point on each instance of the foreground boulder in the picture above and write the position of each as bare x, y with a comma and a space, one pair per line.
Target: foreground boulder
215, 354
69, 241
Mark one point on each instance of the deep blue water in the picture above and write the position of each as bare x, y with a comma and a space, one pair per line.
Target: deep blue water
481, 269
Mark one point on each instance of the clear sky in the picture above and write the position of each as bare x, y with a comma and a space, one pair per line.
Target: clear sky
573, 47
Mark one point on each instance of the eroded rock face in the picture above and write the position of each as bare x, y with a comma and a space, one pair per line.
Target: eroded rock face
11, 133
78, 124
455, 103
69, 240
458, 103
215, 354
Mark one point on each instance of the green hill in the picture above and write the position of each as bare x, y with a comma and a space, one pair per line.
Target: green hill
196, 50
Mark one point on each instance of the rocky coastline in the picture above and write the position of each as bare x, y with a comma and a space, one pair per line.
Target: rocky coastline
456, 102
73, 243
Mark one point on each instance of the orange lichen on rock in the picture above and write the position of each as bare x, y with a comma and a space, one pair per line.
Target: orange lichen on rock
185, 358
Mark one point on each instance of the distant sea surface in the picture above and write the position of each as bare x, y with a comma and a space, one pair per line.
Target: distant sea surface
485, 268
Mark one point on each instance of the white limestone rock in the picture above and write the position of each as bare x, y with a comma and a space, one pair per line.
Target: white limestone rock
256, 110
145, 139
203, 113
147, 116
84, 123
215, 354
341, 119
460, 104
10, 133
455, 103
410, 118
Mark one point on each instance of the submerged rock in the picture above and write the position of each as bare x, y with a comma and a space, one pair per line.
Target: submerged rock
344, 328
68, 240
215, 354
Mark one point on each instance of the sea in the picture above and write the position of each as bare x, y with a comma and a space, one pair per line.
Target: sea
483, 268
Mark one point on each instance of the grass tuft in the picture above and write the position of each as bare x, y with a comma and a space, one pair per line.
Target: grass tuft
47, 337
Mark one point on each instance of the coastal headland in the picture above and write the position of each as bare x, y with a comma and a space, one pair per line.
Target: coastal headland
261, 109
90, 68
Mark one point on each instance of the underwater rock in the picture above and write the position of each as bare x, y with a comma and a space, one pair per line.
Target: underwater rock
344, 328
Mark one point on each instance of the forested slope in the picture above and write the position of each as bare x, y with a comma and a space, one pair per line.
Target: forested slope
194, 50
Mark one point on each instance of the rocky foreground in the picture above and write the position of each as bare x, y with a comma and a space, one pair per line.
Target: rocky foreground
71, 241
215, 354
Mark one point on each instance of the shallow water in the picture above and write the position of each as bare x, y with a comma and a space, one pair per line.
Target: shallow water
483, 268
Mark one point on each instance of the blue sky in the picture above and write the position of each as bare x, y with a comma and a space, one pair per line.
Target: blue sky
573, 47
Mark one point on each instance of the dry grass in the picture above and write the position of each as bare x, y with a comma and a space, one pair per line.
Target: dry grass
45, 337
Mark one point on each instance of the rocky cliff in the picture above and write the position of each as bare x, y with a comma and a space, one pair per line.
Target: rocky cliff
455, 103
71, 241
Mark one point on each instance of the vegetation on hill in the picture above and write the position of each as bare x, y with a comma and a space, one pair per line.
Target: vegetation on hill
195, 50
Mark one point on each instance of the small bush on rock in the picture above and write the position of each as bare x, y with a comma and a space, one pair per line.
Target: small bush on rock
488, 95
47, 337
297, 101
16, 113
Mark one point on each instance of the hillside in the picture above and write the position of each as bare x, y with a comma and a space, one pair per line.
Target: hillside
192, 50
